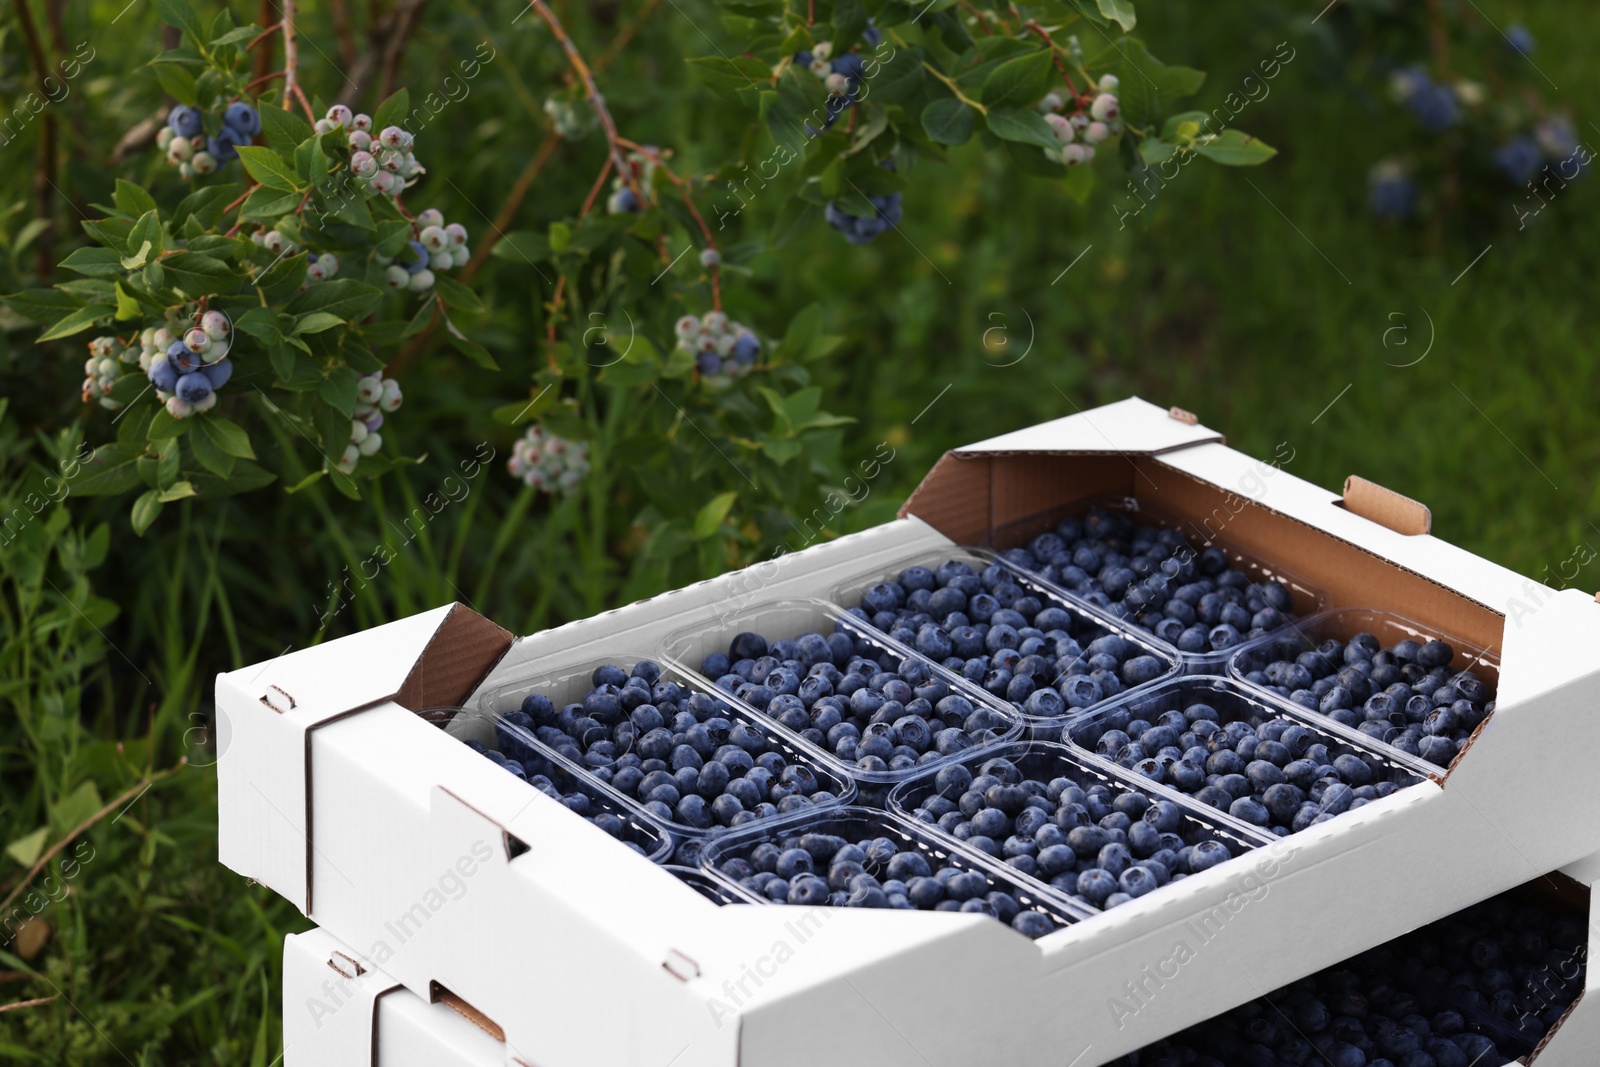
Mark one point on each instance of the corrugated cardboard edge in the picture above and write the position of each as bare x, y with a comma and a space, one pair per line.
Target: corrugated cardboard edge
1386, 507
462, 652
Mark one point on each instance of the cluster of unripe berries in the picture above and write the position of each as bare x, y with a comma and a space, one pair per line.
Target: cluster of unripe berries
375, 395
383, 161
102, 369
642, 167
188, 370
319, 266
1095, 118
722, 348
189, 149
438, 247
570, 120
547, 461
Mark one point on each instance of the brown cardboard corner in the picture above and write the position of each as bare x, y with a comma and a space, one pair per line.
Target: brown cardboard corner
441, 995
1386, 507
461, 654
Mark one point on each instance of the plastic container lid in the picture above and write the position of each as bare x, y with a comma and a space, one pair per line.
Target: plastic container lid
859, 824
1084, 626
794, 619
1045, 762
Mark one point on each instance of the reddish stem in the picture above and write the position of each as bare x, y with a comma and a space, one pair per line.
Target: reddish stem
263, 35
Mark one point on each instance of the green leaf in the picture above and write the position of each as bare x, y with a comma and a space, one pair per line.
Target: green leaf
1079, 184
948, 121
132, 200
268, 204
345, 297
228, 436
95, 262
315, 322
468, 347
520, 411
113, 232
1235, 148
1021, 124
1121, 11
238, 35
209, 452
204, 205
178, 83
339, 389
709, 518
180, 14
111, 471
1153, 150
1018, 82
246, 476
284, 129
145, 510
164, 426
42, 305
260, 323
849, 20
522, 246
26, 849
128, 306
392, 112
199, 275
456, 295
730, 77
78, 321
267, 167
178, 490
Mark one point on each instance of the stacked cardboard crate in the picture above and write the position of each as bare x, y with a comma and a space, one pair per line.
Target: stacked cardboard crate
348, 785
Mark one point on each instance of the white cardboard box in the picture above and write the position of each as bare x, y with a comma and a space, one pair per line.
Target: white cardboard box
340, 1012
395, 838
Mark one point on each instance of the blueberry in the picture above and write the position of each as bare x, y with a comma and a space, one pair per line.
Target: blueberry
242, 118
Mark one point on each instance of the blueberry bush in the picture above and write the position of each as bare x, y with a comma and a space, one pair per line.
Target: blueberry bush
636, 293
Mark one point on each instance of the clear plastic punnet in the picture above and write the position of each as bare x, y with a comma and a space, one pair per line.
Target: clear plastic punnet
1242, 751
567, 785
713, 889
1045, 688
1309, 664
1193, 837
1202, 533
551, 711
902, 713
794, 863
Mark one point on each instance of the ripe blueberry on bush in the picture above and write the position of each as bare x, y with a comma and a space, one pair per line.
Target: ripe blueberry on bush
860, 701
549, 462
1018, 643
1102, 844
642, 168
859, 229
1406, 695
882, 872
1153, 578
1391, 192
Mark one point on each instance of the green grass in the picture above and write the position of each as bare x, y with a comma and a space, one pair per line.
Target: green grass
1256, 299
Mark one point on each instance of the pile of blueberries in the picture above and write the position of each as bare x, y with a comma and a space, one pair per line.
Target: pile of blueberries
1405, 695
1264, 769
193, 367
1015, 642
863, 703
1477, 989
686, 756
1152, 577
562, 787
1102, 844
823, 869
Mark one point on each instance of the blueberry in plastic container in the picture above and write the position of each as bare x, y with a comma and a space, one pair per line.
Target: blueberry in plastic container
1093, 838
857, 858
1406, 695
1215, 743
874, 710
582, 799
1480, 988
1015, 641
1152, 577
687, 757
